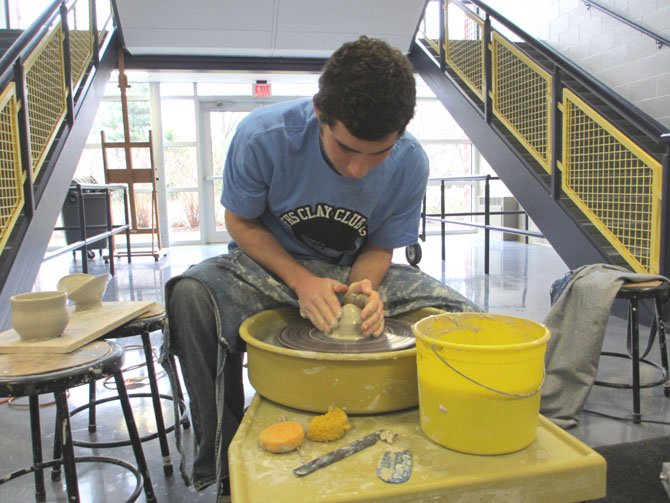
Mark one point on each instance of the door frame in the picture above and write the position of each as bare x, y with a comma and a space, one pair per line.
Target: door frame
205, 106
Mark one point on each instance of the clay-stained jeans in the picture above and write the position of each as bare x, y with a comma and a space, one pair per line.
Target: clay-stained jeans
212, 375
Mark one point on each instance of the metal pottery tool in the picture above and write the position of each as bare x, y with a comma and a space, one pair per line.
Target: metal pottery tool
338, 454
395, 467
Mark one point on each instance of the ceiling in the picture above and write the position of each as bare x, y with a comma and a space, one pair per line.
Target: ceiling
262, 28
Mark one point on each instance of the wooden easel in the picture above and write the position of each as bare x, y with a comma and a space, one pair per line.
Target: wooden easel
131, 175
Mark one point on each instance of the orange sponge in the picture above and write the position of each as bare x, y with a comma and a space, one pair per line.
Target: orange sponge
285, 436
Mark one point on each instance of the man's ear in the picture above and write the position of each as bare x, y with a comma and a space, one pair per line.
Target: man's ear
316, 109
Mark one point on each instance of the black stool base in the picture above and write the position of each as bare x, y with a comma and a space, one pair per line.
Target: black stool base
167, 462
651, 384
120, 443
658, 292
84, 459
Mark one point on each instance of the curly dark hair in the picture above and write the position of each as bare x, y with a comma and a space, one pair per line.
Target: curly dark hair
368, 86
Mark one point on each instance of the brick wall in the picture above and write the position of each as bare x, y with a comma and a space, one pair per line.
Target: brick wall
621, 57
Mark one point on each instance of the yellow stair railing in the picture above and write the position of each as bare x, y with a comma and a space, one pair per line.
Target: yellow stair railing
615, 182
11, 179
40, 75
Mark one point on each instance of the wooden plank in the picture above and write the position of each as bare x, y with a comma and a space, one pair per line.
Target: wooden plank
84, 327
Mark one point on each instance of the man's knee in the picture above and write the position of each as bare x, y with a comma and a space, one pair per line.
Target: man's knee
191, 311
188, 291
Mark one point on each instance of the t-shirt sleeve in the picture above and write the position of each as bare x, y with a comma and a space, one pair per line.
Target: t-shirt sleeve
245, 187
401, 226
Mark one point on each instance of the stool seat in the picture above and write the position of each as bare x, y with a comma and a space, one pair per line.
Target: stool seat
27, 374
34, 374
151, 320
645, 290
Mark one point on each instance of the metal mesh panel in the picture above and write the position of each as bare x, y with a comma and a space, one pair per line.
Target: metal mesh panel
45, 85
11, 187
464, 52
81, 47
81, 43
434, 43
614, 182
522, 98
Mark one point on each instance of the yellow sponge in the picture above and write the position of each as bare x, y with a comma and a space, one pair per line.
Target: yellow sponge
331, 426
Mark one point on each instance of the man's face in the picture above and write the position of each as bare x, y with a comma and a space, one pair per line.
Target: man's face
352, 157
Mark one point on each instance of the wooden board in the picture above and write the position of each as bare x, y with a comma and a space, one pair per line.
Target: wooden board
84, 327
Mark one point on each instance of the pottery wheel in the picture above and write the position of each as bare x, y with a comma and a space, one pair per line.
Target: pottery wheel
302, 335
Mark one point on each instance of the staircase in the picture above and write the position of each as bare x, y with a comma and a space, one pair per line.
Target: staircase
606, 210
52, 79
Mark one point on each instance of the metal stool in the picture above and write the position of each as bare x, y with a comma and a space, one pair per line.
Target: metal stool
32, 375
659, 292
151, 321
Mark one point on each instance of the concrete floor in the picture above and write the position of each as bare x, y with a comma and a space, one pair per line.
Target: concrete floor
518, 284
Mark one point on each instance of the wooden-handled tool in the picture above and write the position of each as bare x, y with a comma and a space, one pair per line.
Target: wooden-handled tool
338, 454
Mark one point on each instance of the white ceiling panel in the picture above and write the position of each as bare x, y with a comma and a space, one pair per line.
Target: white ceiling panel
265, 28
197, 14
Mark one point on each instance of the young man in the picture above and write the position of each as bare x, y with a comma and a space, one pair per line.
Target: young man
318, 193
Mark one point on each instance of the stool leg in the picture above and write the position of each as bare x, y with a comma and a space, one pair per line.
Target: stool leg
63, 421
660, 325
177, 392
633, 325
156, 399
36, 433
56, 470
134, 436
91, 407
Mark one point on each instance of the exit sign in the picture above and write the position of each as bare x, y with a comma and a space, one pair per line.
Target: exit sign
262, 89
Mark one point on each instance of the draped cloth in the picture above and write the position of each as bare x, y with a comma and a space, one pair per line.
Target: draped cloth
577, 321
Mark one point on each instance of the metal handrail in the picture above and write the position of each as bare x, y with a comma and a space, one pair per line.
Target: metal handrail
28, 38
487, 213
660, 41
644, 122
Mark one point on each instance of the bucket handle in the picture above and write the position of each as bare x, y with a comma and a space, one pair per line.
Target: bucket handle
505, 393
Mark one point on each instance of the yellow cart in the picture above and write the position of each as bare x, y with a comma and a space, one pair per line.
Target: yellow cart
555, 467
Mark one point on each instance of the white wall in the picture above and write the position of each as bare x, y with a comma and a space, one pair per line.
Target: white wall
621, 57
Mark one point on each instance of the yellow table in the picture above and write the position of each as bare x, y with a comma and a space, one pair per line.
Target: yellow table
555, 467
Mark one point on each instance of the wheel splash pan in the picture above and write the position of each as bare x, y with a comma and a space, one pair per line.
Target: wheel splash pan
304, 336
364, 383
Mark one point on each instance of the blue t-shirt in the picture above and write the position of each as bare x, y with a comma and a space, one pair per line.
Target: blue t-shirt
275, 171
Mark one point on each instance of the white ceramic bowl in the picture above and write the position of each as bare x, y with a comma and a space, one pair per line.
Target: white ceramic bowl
38, 316
85, 290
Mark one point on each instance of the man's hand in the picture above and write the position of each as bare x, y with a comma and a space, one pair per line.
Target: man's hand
372, 314
318, 301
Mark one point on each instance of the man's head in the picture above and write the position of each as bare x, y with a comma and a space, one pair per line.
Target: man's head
369, 87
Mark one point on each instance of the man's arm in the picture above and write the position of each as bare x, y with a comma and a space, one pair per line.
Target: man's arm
317, 297
367, 274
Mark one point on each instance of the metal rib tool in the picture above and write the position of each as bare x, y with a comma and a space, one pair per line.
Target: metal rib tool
338, 454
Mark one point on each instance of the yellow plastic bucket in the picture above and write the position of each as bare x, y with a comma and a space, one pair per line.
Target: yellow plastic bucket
479, 378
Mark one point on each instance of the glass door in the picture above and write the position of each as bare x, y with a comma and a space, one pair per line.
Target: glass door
218, 122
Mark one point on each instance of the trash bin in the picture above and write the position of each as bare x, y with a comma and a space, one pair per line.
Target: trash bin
95, 214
